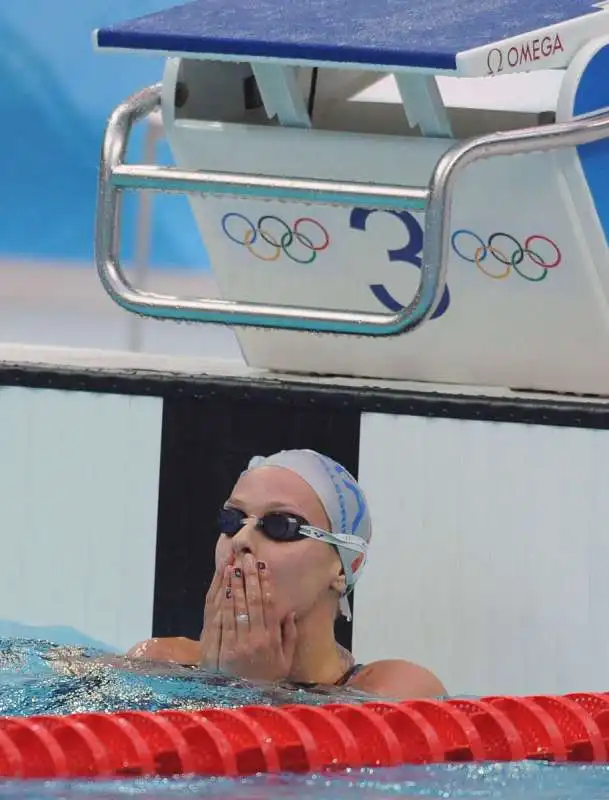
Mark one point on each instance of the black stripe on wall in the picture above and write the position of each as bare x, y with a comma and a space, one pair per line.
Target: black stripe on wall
206, 443
536, 409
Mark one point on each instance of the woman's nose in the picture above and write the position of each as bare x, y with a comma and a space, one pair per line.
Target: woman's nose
242, 541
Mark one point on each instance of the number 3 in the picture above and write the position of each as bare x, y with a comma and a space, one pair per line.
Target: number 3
409, 254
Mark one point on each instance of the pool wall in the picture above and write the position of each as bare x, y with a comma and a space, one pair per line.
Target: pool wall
78, 511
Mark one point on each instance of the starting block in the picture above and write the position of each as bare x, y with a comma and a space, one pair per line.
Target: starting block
425, 241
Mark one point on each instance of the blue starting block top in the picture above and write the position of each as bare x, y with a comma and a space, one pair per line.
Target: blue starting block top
480, 37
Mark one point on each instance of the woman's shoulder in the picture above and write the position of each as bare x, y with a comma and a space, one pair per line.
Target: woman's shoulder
397, 679
171, 649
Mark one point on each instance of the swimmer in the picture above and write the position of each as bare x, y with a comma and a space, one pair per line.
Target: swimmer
293, 540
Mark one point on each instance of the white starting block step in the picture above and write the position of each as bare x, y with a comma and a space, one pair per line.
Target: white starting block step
466, 243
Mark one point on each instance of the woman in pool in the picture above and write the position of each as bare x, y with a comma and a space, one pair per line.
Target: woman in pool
293, 540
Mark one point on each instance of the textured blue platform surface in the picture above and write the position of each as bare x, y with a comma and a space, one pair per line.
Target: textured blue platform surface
406, 33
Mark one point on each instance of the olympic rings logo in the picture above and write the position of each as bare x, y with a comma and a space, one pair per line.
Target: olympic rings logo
271, 236
537, 265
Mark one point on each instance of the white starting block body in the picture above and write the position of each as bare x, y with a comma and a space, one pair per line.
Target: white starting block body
290, 89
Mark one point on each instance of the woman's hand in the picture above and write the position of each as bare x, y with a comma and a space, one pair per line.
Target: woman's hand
179, 649
212, 627
214, 593
253, 643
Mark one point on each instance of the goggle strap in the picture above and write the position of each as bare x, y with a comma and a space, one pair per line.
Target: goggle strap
345, 608
340, 539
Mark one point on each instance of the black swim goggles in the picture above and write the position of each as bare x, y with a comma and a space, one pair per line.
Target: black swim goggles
278, 526
282, 526
285, 527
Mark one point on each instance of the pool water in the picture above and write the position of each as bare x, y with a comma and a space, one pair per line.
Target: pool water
524, 781
39, 677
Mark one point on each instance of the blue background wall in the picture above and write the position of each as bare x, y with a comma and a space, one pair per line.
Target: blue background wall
56, 93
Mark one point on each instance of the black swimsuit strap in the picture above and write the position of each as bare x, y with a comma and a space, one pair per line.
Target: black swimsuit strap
353, 670
344, 678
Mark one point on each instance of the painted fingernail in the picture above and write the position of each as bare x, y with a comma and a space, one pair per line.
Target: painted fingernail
237, 572
229, 593
261, 565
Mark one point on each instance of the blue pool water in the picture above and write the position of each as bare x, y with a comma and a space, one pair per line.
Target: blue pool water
38, 677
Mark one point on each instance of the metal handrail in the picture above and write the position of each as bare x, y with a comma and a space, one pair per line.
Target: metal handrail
115, 177
540, 138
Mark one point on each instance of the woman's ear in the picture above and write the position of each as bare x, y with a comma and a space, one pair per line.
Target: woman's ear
339, 583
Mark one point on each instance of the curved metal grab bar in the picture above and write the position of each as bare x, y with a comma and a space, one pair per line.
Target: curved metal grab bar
525, 140
116, 177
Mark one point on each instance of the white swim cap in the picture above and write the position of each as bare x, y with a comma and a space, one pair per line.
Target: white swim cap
343, 500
